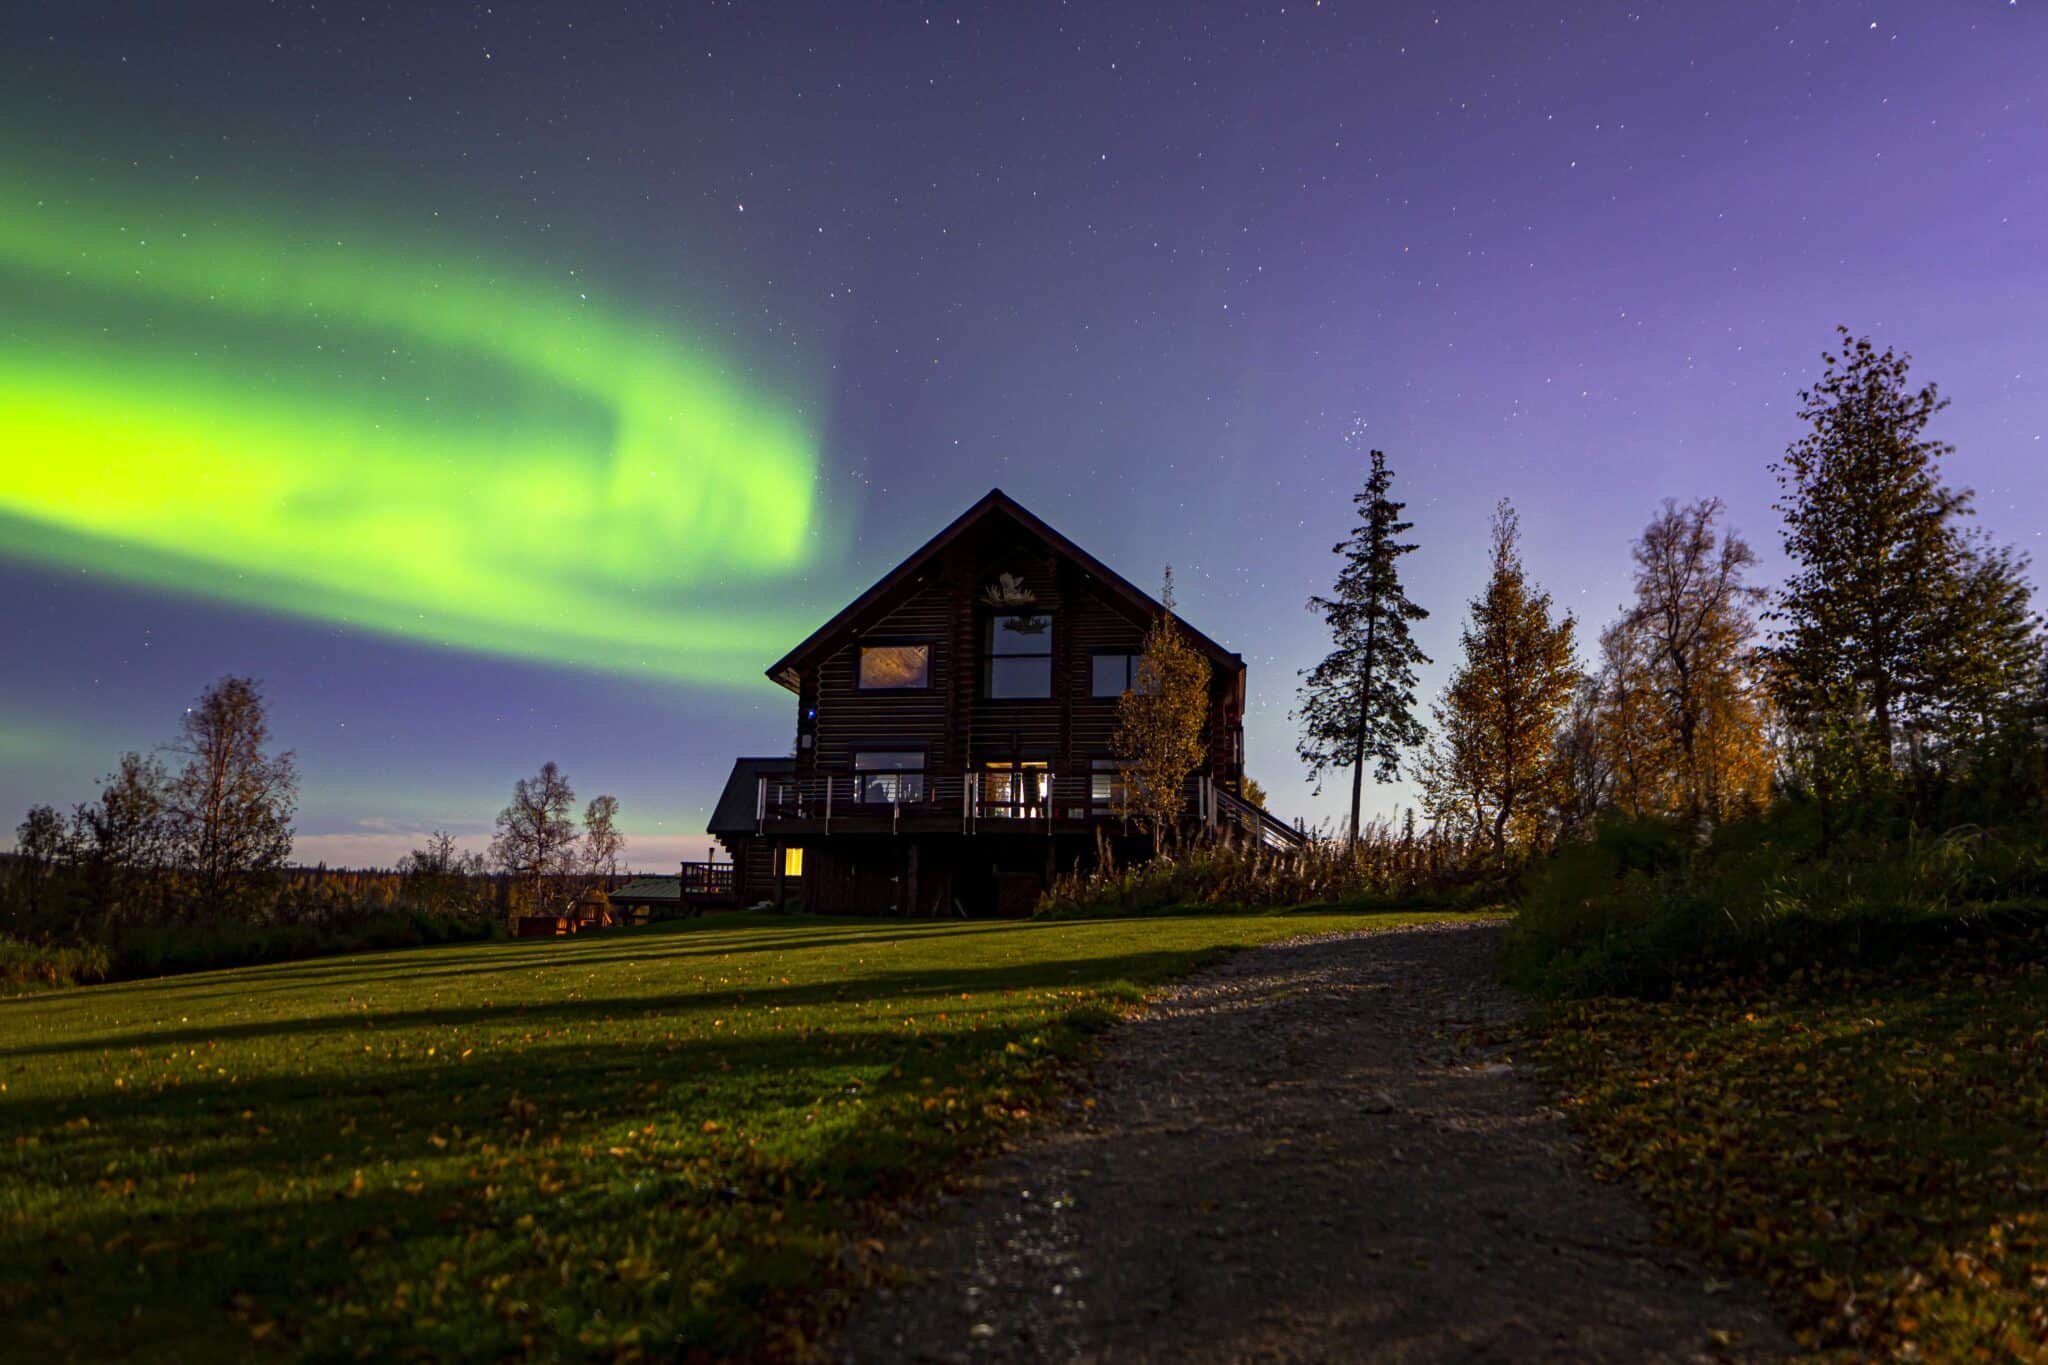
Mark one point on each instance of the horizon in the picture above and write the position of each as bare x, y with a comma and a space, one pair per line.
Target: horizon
715, 322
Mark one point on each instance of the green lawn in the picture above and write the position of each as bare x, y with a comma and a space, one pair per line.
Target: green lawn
1872, 1143
682, 1138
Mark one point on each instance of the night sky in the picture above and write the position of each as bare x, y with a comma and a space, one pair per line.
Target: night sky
499, 386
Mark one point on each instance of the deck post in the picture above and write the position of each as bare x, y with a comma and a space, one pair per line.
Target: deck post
760, 803
828, 803
781, 872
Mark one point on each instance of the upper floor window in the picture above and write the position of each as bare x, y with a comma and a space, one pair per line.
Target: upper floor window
890, 667
1114, 674
1016, 655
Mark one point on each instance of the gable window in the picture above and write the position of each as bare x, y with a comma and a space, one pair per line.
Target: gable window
1114, 674
886, 776
1016, 655
885, 668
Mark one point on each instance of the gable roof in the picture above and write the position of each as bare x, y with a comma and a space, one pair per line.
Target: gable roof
734, 813
995, 503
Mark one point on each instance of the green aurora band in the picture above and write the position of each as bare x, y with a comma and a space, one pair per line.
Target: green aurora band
380, 437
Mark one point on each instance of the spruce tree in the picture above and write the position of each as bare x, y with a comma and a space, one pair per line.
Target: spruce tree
1895, 613
1359, 702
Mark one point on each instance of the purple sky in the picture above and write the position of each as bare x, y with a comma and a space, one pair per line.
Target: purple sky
1142, 267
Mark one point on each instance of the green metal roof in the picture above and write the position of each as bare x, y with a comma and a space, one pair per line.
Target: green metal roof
650, 889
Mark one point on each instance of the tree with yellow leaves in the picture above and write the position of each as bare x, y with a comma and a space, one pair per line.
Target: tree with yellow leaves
1492, 770
1684, 719
1160, 721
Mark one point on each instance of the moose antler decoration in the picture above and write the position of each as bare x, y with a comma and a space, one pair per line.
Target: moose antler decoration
1008, 591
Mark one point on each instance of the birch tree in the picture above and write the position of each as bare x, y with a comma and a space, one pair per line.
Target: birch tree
536, 841
1160, 723
231, 803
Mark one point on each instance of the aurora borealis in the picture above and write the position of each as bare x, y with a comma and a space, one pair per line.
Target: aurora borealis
514, 383
585, 483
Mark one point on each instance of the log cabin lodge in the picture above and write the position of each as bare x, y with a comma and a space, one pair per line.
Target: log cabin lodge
953, 735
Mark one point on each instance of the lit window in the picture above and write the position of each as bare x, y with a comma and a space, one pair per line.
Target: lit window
885, 776
792, 862
888, 667
1017, 655
1015, 790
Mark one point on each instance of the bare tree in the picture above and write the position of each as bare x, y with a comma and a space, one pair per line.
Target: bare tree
231, 805
602, 842
536, 841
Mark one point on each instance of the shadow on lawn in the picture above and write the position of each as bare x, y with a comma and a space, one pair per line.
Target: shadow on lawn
876, 987
552, 1112
655, 943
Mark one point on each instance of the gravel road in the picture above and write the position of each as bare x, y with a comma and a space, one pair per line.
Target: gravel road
1309, 1153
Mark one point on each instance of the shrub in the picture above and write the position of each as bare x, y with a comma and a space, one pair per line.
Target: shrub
1633, 912
1383, 869
29, 966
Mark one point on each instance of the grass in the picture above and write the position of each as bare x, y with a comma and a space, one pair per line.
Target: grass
1867, 1140
685, 1139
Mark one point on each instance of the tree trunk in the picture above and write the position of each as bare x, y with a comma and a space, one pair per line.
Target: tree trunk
1364, 714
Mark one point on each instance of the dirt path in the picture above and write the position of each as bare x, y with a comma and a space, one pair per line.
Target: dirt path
1291, 1158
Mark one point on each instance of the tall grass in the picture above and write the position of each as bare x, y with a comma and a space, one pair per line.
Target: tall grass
1385, 867
75, 924
32, 966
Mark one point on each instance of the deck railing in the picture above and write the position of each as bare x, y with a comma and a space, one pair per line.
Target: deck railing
707, 879
998, 799
971, 796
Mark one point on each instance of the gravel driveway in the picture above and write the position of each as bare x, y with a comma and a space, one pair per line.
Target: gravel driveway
1303, 1155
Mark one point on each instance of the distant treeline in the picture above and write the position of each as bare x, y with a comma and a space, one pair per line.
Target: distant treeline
183, 860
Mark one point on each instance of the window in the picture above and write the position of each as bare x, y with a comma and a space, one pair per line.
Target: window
890, 667
885, 776
1015, 790
1106, 782
1017, 655
1115, 674
792, 862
